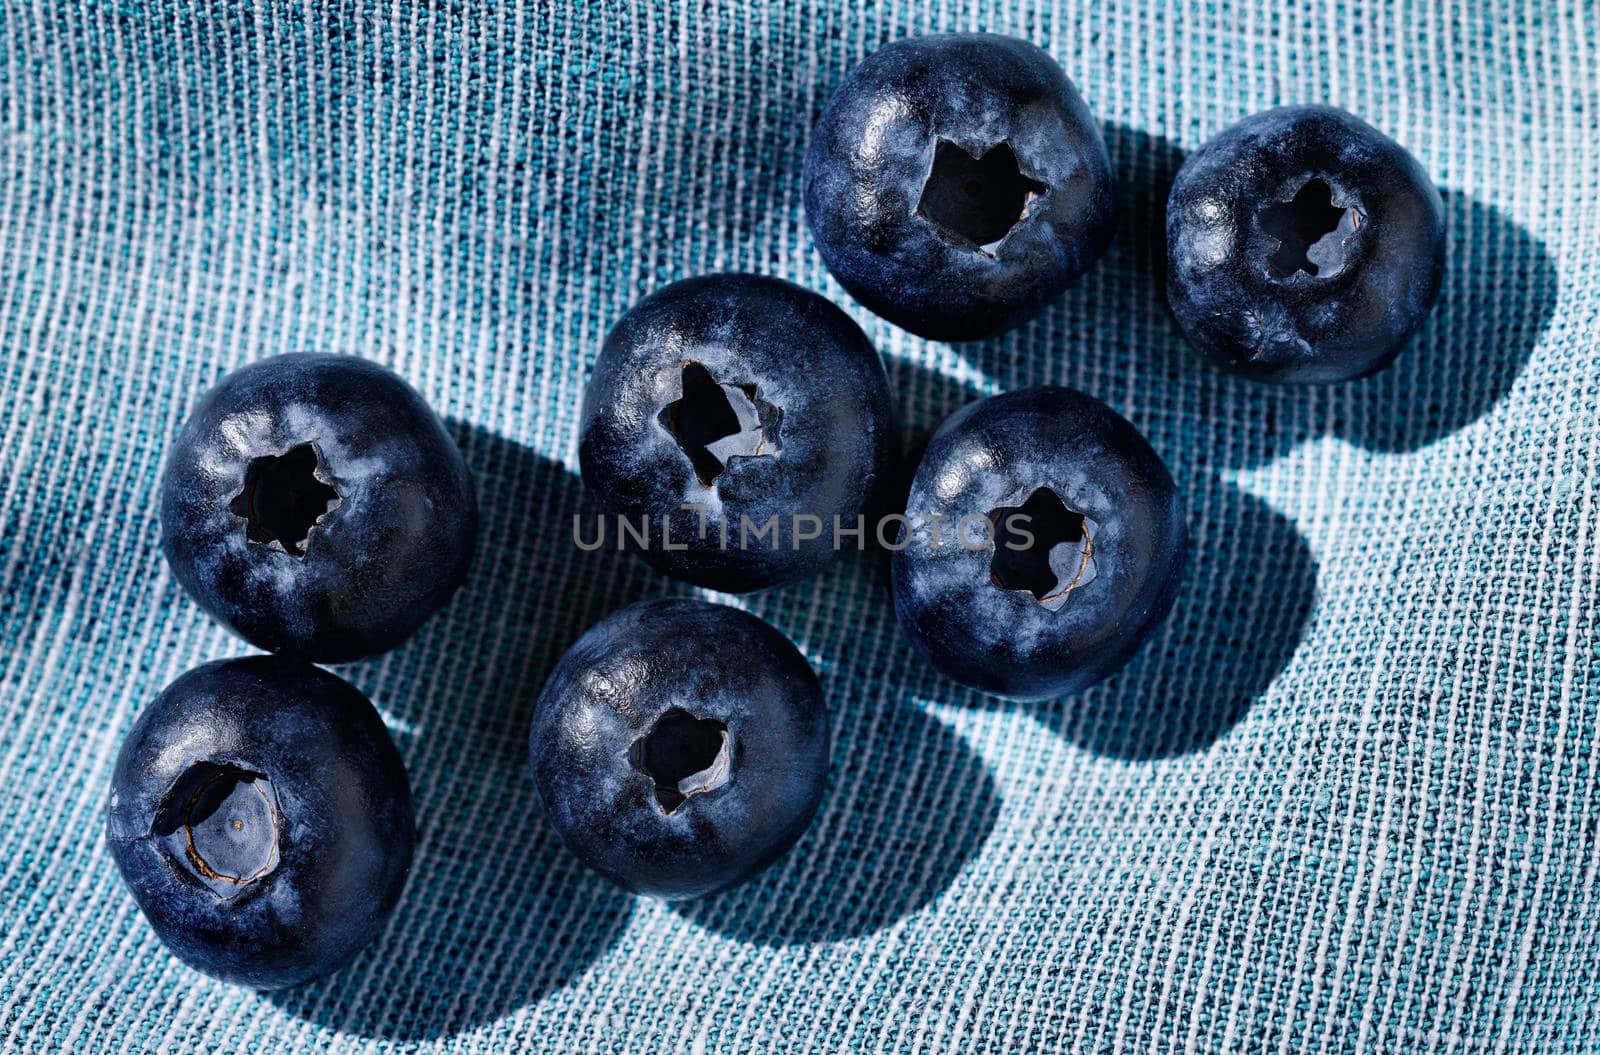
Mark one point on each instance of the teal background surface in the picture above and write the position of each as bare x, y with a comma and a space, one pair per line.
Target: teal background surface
1345, 801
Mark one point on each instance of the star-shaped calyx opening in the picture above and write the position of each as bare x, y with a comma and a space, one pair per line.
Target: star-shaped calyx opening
221, 822
683, 756
1042, 547
1311, 231
976, 200
715, 422
283, 498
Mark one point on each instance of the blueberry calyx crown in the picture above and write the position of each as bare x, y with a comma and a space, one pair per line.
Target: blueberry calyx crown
284, 497
683, 756
715, 422
1043, 547
976, 200
1312, 231
222, 822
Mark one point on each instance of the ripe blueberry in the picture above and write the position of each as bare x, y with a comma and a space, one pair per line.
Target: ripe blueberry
316, 506
1046, 541
1303, 245
260, 814
747, 400
680, 747
957, 183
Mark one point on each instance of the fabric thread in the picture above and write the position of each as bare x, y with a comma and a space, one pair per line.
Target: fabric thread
1345, 801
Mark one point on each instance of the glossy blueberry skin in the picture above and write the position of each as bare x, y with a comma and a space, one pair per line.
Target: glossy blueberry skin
1353, 316
342, 816
377, 565
993, 454
615, 685
834, 427
871, 154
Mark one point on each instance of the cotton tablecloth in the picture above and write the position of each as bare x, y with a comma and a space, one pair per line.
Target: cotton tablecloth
1345, 800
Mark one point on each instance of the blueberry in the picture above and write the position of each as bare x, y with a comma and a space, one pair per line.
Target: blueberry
957, 183
680, 747
757, 405
1045, 541
316, 506
260, 814
1303, 245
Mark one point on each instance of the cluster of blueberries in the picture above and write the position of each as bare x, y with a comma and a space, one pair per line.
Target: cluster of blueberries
955, 185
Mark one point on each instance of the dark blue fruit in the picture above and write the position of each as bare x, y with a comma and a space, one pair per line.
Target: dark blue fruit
680, 747
260, 814
757, 405
316, 506
1046, 541
957, 183
1303, 245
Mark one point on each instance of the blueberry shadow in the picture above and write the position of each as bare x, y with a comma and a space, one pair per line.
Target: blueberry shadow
1145, 165
889, 760
1113, 320
908, 804
1248, 593
496, 914
1499, 292
1247, 596
488, 924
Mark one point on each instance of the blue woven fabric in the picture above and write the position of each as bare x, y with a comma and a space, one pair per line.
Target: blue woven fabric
1346, 800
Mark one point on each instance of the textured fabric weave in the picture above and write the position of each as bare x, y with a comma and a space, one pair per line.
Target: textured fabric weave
1344, 801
